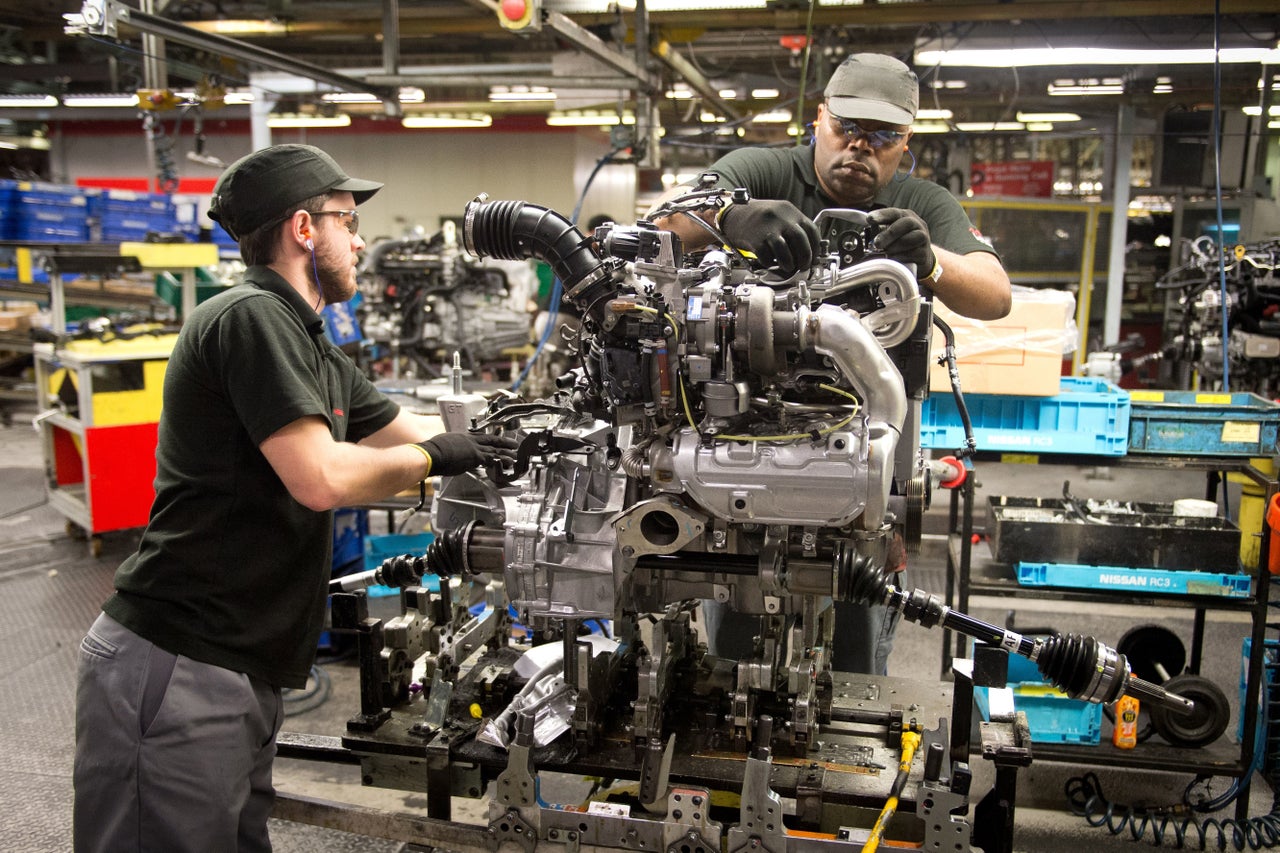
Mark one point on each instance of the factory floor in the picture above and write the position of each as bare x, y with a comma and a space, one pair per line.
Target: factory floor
51, 587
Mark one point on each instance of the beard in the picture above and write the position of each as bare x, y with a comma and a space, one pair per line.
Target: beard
336, 278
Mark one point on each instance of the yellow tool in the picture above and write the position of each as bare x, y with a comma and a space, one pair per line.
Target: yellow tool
910, 741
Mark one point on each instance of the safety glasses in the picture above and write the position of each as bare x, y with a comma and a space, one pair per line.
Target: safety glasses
875, 138
350, 219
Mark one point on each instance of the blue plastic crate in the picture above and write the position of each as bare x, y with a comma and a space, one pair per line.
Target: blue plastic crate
102, 202
1200, 423
1088, 416
1052, 716
1148, 581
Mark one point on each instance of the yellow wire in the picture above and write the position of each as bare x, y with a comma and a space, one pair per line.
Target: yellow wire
802, 435
910, 740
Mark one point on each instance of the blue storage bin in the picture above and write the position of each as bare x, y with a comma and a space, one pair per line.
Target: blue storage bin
1199, 423
1088, 416
1052, 716
41, 212
1140, 580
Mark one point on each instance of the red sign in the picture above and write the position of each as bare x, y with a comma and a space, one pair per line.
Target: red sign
1027, 178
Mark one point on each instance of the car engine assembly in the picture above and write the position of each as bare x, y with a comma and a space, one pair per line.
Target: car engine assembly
426, 299
725, 435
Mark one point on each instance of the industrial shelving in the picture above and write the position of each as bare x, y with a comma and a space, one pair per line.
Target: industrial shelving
972, 571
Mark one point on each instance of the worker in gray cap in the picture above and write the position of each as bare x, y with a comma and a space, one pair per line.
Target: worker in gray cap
266, 428
860, 143
855, 160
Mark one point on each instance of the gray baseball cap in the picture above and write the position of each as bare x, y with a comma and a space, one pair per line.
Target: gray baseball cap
262, 187
874, 86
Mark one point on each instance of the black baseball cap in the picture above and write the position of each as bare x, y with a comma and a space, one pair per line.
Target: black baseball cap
875, 87
261, 187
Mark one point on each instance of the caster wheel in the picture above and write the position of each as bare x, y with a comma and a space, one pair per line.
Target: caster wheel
1204, 724
95, 546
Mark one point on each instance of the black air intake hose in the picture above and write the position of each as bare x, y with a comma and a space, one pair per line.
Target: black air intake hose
517, 231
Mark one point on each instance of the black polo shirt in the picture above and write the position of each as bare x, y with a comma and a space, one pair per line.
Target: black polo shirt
231, 569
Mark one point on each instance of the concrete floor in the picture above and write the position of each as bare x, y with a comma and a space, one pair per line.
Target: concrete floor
50, 589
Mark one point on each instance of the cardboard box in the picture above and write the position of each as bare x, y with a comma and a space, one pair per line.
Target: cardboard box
1020, 354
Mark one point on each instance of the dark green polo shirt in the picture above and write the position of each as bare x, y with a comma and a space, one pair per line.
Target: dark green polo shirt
787, 174
231, 569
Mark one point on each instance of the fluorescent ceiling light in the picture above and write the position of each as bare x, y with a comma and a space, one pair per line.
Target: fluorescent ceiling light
1274, 110
763, 94
984, 126
728, 94
100, 100
340, 120
28, 101
1163, 86
947, 84
521, 93
8, 145
709, 117
1106, 86
680, 92
412, 95
244, 27
931, 127
1039, 126
933, 115
431, 121
350, 98
1091, 57
772, 117
1043, 117
233, 98
588, 118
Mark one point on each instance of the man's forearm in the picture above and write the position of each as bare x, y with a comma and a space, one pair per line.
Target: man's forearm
974, 285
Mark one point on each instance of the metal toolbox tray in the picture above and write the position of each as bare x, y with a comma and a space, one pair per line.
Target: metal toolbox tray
1109, 533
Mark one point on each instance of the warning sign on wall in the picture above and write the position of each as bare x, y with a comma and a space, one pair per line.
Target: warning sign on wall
1025, 178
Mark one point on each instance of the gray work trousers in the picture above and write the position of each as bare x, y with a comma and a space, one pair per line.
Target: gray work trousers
862, 642
171, 754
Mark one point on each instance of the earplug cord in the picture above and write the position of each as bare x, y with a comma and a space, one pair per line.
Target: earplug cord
316, 274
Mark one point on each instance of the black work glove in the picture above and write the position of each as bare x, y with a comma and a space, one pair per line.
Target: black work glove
780, 236
454, 453
903, 237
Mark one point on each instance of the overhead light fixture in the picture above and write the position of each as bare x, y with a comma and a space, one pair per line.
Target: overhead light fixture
680, 92
100, 100
772, 117
412, 95
432, 121
1273, 110
286, 120
933, 115
588, 118
1092, 57
930, 127
1039, 126
1163, 86
986, 126
243, 27
764, 94
521, 93
350, 98
28, 101
237, 98
947, 84
1048, 117
707, 117
728, 94
1084, 87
